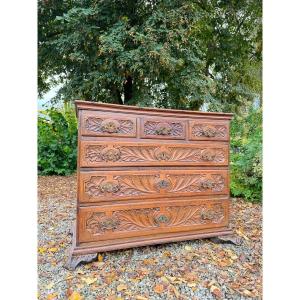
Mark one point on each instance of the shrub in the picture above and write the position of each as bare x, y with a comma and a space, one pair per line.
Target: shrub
246, 156
57, 142
57, 149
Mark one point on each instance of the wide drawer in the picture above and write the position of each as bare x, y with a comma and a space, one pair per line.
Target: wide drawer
100, 154
112, 222
94, 123
208, 130
140, 184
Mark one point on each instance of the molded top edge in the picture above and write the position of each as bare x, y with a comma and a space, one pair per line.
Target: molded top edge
82, 104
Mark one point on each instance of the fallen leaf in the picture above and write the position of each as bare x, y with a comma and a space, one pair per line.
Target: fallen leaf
216, 291
159, 288
247, 293
171, 278
164, 279
192, 284
42, 250
69, 292
121, 287
225, 262
100, 257
52, 296
54, 249
89, 280
140, 298
50, 285
159, 274
149, 261
109, 277
241, 233
75, 296
175, 291
232, 254
192, 276
167, 254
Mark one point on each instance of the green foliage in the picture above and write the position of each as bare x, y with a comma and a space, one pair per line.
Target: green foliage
246, 156
162, 53
57, 142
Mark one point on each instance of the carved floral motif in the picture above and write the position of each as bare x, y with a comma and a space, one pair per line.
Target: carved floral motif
207, 130
151, 218
109, 126
163, 128
119, 153
135, 185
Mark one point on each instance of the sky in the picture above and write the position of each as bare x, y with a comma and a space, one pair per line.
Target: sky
44, 102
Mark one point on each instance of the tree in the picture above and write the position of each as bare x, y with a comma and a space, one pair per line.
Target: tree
163, 53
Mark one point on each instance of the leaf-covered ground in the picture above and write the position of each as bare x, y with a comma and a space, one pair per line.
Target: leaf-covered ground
199, 269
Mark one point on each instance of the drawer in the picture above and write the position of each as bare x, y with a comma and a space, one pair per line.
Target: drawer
163, 128
140, 184
205, 130
99, 124
100, 154
112, 222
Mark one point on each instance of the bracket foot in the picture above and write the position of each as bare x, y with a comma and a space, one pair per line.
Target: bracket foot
231, 239
75, 260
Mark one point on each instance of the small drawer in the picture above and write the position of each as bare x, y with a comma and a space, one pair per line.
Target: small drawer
101, 186
100, 124
114, 222
163, 128
109, 154
205, 130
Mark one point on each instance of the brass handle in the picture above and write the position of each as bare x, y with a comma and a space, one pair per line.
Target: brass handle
163, 129
163, 184
109, 186
162, 219
110, 126
109, 224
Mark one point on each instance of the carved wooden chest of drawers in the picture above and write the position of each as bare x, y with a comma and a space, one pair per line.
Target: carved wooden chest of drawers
149, 176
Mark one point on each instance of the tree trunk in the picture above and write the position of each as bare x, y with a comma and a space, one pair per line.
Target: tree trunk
117, 95
128, 89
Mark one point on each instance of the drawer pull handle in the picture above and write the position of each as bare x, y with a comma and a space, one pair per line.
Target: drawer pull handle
162, 154
207, 184
208, 155
110, 154
110, 126
110, 186
162, 219
109, 224
207, 215
209, 131
163, 184
163, 129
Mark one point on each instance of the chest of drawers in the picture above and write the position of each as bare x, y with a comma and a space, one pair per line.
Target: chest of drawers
149, 176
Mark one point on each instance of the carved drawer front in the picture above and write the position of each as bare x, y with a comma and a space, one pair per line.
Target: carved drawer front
97, 124
99, 154
163, 128
109, 222
124, 185
205, 130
